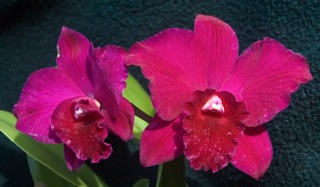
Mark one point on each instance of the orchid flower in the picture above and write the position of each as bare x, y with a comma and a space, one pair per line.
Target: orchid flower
78, 103
212, 104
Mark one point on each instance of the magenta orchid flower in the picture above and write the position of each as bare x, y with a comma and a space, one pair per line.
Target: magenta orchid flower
79, 102
211, 103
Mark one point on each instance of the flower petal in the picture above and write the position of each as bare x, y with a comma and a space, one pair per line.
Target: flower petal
170, 62
219, 49
41, 94
122, 124
77, 122
254, 152
161, 141
73, 163
264, 77
178, 62
73, 58
109, 76
211, 136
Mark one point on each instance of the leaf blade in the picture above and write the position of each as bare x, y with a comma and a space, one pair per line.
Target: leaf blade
50, 155
140, 99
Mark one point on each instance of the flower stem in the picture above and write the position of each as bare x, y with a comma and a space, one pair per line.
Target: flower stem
141, 114
172, 173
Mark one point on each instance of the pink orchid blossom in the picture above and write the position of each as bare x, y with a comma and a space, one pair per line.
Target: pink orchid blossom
211, 103
79, 102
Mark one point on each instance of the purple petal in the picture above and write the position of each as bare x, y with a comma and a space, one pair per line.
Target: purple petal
171, 63
73, 58
73, 163
264, 78
122, 124
161, 141
109, 77
41, 94
178, 62
218, 51
254, 152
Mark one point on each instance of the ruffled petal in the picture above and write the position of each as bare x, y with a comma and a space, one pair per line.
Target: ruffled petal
77, 122
264, 78
178, 62
161, 141
122, 124
41, 94
254, 152
170, 61
212, 132
109, 76
73, 163
219, 49
73, 58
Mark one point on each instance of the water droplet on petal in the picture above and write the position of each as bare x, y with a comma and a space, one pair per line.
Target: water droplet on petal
68, 142
58, 52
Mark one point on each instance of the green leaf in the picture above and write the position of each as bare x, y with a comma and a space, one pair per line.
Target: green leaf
43, 176
142, 183
139, 126
141, 100
138, 96
49, 155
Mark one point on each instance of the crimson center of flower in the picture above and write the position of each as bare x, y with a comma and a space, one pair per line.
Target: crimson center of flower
214, 122
78, 122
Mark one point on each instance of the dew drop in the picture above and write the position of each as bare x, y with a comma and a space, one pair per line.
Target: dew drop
58, 52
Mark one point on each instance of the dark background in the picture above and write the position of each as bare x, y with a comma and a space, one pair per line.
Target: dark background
29, 30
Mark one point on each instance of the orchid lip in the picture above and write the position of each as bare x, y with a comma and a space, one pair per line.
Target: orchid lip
213, 104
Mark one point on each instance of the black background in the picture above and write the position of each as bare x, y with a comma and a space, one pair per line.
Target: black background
29, 30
